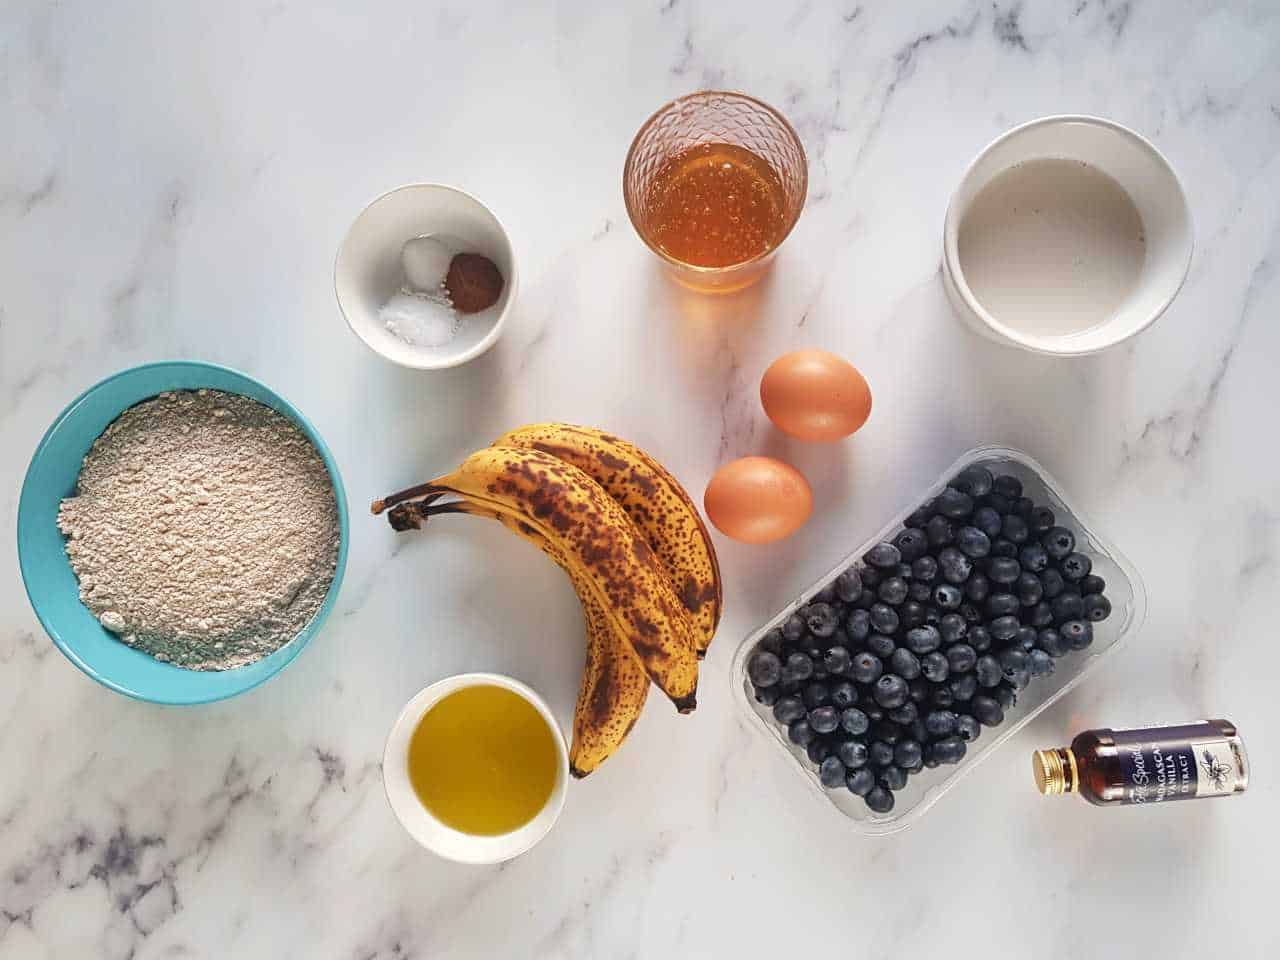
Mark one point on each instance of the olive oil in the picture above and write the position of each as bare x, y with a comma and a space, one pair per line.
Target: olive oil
483, 760
716, 205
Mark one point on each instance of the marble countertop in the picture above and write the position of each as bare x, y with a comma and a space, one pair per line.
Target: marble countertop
174, 182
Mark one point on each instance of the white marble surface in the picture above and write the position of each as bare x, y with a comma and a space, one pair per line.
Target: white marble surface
174, 181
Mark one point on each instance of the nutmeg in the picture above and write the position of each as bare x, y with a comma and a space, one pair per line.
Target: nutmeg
474, 282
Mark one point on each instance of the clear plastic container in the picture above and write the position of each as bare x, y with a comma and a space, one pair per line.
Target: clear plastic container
1129, 608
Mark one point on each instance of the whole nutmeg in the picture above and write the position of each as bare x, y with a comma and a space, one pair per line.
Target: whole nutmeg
474, 282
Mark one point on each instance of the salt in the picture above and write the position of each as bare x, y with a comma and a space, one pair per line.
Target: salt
420, 319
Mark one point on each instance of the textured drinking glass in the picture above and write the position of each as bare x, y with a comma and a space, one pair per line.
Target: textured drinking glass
714, 116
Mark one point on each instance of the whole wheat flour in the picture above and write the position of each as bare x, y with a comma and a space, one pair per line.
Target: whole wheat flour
204, 529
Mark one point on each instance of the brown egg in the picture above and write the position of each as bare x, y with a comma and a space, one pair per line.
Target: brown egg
815, 395
758, 500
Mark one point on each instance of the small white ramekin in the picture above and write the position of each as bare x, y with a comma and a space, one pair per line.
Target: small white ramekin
443, 840
1133, 162
368, 269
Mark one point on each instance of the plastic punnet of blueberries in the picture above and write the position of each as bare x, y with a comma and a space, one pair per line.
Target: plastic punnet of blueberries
899, 662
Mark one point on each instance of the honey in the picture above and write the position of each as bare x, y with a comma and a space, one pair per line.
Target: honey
716, 205
483, 760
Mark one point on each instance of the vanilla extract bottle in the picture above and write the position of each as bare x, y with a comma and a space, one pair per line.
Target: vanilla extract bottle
1152, 765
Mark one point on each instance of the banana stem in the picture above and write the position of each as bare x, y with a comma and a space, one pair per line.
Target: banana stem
431, 491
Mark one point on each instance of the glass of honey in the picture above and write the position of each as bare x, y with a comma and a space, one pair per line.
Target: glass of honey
476, 768
713, 183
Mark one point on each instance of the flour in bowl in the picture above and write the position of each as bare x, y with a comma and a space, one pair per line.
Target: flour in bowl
204, 529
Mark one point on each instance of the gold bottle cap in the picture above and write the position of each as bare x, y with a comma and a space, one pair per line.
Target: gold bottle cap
1054, 771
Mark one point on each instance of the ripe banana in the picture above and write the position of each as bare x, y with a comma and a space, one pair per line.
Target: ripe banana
614, 684
597, 540
653, 499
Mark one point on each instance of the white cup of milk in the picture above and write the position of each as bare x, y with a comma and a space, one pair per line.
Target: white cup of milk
1066, 235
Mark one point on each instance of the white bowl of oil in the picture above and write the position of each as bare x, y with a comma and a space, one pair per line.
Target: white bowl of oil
476, 768
1067, 235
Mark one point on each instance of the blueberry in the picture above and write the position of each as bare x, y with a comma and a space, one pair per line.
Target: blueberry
1024, 639
870, 577
1014, 529
893, 591
1067, 606
919, 516
964, 686
1075, 566
911, 614
1096, 607
972, 542
1003, 605
970, 614
893, 778
866, 667
932, 616
887, 731
891, 691
949, 750
1033, 557
1077, 633
905, 663
764, 668
788, 710
860, 782
967, 728
1003, 570
1041, 520
939, 531
979, 638
859, 624
955, 566
942, 697
987, 521
1059, 542
1041, 663
952, 627
815, 695
922, 640
997, 502
1023, 507
821, 619
905, 715
908, 754
881, 645
911, 544
801, 733
1053, 643
1053, 583
837, 660
797, 667
920, 592
817, 751
1013, 659
975, 480
769, 695
961, 658
854, 721
1029, 589
832, 772
824, 719
934, 666
947, 596
953, 504
916, 730
988, 671
880, 753
930, 761
1041, 615
883, 617
986, 710
879, 800
1005, 695
852, 753
825, 595
1004, 629
1092, 584
793, 628
883, 555
1007, 486
772, 641
940, 723
920, 689
924, 569
1018, 679
1007, 549
977, 588
844, 694
849, 585
789, 687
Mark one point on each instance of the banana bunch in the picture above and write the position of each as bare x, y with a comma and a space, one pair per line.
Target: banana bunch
632, 543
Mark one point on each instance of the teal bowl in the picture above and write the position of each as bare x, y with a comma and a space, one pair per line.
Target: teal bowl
51, 584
